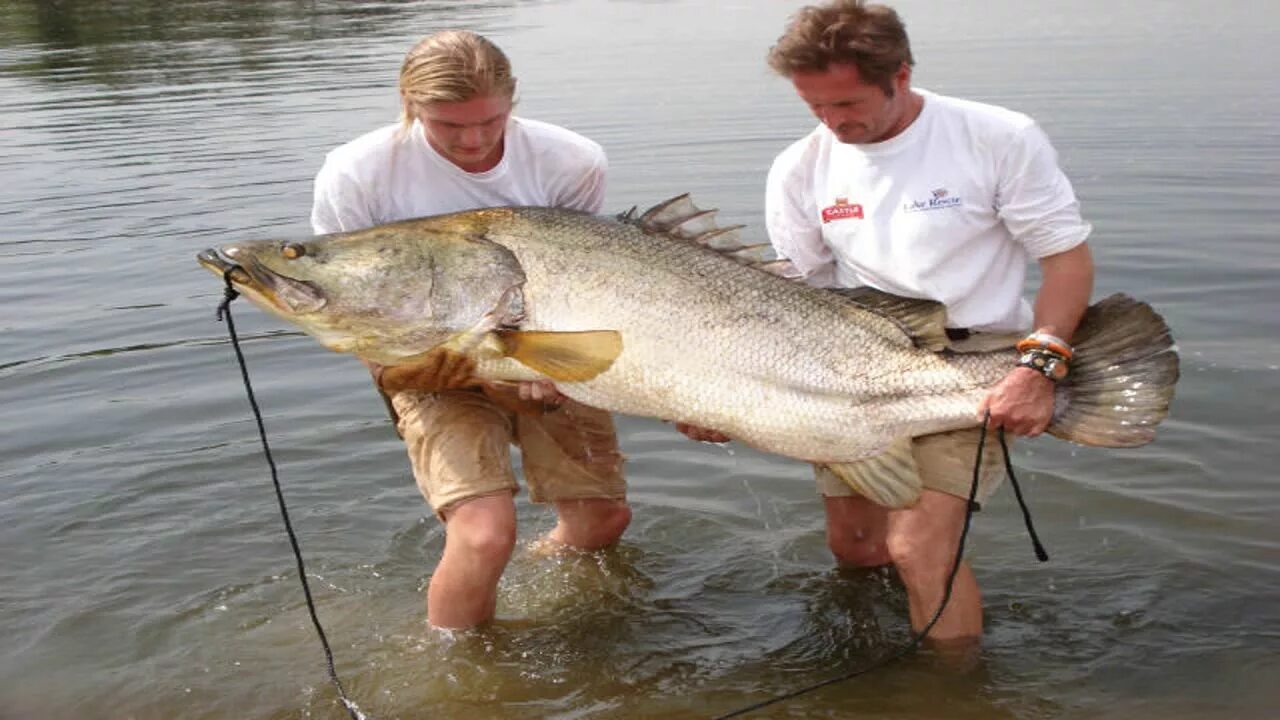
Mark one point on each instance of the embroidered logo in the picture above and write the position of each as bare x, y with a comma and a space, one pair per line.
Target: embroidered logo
939, 199
842, 210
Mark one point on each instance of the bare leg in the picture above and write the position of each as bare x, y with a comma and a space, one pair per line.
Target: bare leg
479, 536
857, 530
590, 524
922, 541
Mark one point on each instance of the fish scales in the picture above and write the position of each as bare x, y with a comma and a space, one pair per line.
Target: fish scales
662, 315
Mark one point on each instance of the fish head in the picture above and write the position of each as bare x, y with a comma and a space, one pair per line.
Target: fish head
384, 293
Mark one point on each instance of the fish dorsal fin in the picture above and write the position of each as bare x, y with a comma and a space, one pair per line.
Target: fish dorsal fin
563, 356
923, 321
679, 218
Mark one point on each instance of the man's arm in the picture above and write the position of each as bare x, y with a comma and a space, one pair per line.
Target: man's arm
1022, 402
588, 191
440, 369
791, 218
339, 203
1036, 202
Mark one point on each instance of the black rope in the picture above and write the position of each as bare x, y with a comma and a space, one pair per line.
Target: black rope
1041, 555
224, 313
946, 596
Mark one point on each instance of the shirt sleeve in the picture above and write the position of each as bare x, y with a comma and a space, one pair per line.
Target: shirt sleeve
587, 194
1035, 199
340, 204
791, 218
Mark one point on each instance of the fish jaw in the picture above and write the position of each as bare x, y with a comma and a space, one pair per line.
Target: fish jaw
267, 288
297, 301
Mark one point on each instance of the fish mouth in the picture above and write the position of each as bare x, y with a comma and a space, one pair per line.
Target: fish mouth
281, 292
216, 263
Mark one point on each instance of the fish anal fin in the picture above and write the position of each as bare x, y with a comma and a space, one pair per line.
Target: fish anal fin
890, 478
563, 356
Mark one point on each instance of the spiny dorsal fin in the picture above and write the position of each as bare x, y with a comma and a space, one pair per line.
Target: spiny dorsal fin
924, 321
679, 218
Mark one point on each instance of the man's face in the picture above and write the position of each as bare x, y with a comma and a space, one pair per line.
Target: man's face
855, 111
468, 133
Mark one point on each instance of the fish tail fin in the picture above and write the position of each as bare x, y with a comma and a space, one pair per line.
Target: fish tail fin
1122, 376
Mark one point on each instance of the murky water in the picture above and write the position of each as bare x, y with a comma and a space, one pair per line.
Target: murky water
146, 573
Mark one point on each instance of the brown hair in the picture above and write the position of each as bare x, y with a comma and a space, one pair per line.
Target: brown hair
872, 38
452, 66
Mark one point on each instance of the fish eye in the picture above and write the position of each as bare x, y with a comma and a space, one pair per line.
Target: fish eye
293, 251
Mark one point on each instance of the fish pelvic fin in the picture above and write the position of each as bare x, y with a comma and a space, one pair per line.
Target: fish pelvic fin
563, 356
922, 321
890, 479
1122, 378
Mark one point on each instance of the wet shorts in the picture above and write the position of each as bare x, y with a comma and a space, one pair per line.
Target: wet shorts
459, 445
944, 462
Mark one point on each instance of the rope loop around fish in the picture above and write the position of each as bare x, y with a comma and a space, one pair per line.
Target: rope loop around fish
918, 638
224, 314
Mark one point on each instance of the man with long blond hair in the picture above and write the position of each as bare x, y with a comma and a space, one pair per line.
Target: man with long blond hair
458, 147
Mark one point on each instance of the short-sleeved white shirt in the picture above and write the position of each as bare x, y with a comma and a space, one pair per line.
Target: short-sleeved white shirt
951, 209
389, 175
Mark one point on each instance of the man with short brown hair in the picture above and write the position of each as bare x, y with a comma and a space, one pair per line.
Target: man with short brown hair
925, 196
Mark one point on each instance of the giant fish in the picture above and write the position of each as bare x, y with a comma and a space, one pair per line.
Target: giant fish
663, 314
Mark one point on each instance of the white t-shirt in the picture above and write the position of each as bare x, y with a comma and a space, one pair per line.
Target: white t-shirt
951, 209
387, 175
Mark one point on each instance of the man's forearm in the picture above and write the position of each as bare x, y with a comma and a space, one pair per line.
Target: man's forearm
1065, 288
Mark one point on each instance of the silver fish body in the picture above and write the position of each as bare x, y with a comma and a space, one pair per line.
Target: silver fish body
706, 334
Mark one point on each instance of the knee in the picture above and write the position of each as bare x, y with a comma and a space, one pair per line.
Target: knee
591, 524
854, 546
920, 556
485, 540
612, 522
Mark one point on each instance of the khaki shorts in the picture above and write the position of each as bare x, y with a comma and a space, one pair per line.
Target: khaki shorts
945, 464
459, 446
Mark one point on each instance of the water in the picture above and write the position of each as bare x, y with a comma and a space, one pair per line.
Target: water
146, 573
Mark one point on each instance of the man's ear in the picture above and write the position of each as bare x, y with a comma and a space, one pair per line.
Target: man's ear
902, 78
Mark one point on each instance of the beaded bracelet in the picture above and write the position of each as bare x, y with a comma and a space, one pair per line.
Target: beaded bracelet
1046, 362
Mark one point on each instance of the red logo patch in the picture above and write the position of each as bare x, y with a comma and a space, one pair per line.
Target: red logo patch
842, 210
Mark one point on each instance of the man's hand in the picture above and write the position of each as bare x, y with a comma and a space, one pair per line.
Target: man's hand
532, 397
702, 434
542, 391
439, 370
1021, 403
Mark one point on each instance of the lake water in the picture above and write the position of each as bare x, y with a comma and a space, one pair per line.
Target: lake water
146, 573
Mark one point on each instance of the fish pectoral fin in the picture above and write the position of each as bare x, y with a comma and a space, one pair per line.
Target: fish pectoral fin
890, 478
563, 356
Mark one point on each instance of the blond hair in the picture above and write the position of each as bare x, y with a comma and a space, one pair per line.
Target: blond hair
452, 66
872, 38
